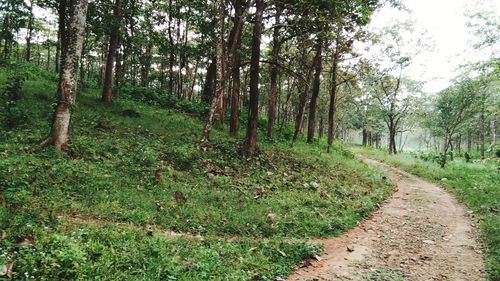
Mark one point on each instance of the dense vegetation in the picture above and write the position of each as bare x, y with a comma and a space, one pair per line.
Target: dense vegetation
208, 135
88, 213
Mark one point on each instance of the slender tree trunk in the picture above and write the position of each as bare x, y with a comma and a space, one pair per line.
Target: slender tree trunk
271, 114
208, 89
482, 135
114, 36
48, 56
61, 43
171, 56
30, 32
316, 87
67, 81
250, 146
219, 64
493, 138
299, 119
321, 127
119, 73
235, 62
333, 92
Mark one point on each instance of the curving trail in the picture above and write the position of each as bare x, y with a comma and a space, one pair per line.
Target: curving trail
420, 233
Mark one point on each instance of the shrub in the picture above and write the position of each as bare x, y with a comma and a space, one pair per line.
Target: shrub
155, 97
13, 114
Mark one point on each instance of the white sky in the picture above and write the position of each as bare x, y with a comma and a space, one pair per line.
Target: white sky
444, 22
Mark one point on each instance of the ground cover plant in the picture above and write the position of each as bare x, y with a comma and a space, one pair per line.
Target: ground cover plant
128, 181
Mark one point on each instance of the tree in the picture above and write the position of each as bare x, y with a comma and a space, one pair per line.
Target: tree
250, 145
271, 113
220, 87
240, 8
59, 136
454, 106
114, 36
316, 87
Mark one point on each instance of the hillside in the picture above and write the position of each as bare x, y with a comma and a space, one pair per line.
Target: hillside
138, 196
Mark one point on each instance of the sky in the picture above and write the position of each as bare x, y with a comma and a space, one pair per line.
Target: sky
444, 23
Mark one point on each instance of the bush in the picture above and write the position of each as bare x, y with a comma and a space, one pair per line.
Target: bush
12, 113
155, 97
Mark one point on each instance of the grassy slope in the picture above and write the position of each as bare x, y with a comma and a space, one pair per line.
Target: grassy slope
474, 184
86, 211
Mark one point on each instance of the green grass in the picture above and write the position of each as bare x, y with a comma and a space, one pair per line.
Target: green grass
254, 215
475, 184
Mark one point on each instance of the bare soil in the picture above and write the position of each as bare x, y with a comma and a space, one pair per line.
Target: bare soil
420, 233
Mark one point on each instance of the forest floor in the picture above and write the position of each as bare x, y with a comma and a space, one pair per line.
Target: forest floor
420, 233
107, 210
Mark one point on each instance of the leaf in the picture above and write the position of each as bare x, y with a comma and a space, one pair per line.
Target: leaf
7, 269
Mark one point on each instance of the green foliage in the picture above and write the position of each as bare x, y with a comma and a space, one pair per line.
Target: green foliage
96, 200
13, 114
155, 97
474, 184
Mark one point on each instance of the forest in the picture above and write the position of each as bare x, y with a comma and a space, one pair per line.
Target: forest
244, 140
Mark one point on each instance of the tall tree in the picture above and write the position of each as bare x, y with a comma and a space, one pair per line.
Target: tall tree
273, 93
114, 36
219, 68
316, 87
240, 8
29, 34
250, 145
60, 134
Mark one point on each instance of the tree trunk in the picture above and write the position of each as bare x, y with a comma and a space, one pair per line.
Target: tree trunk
67, 80
316, 87
271, 114
61, 43
208, 89
120, 71
219, 64
250, 146
114, 36
493, 138
30, 32
333, 91
321, 127
482, 135
171, 56
302, 99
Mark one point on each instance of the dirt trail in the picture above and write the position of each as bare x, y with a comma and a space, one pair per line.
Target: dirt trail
421, 233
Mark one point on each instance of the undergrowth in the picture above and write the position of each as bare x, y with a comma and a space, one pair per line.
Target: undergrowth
141, 164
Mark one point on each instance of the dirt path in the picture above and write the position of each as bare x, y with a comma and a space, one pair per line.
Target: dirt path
420, 233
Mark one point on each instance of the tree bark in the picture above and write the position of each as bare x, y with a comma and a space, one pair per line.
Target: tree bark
67, 80
235, 62
61, 32
271, 114
219, 65
208, 88
302, 100
250, 146
171, 55
30, 32
333, 92
114, 36
316, 87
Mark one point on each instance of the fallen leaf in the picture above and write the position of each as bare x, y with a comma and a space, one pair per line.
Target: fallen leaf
7, 269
